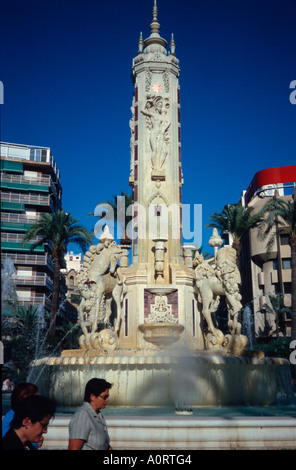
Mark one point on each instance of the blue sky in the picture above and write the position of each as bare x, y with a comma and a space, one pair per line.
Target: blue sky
66, 70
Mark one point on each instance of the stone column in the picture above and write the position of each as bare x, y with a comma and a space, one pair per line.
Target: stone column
188, 251
124, 257
159, 259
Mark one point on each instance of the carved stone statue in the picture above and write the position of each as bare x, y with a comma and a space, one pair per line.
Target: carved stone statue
212, 281
158, 125
101, 281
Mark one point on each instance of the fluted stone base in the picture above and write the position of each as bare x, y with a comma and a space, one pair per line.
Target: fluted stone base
162, 379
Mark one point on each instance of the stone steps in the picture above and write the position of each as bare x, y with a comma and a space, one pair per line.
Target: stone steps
186, 433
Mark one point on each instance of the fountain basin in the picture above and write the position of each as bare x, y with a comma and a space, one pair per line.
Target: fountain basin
161, 334
162, 379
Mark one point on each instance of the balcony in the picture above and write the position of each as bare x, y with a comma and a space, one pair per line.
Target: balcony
16, 237
17, 222
14, 242
19, 218
29, 183
29, 259
41, 279
21, 182
34, 300
33, 199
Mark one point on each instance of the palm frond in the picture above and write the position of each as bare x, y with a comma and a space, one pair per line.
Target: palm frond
235, 219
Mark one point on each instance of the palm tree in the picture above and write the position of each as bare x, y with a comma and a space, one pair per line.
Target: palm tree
20, 338
235, 220
58, 228
281, 218
277, 308
201, 251
127, 200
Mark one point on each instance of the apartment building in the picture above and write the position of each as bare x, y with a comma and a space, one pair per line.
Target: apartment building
264, 276
30, 187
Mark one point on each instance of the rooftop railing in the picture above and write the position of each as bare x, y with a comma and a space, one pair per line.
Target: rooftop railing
28, 152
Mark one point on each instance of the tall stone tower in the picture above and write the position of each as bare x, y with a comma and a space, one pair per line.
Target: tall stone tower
156, 174
160, 298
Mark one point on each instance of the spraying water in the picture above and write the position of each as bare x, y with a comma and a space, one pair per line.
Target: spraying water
40, 325
8, 289
248, 325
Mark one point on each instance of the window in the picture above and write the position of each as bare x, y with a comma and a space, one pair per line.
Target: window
275, 264
287, 287
284, 239
286, 262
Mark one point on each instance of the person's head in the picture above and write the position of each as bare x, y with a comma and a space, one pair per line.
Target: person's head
32, 416
97, 389
22, 391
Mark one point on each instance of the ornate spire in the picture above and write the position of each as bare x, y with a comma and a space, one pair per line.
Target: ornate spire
155, 11
154, 38
155, 26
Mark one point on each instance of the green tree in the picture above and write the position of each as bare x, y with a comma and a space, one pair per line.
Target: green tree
119, 205
201, 251
69, 334
20, 336
277, 308
60, 229
235, 220
280, 217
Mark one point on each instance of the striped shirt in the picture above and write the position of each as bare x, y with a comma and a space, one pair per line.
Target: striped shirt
89, 426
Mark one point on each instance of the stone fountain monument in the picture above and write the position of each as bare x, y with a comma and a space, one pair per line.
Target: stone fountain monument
149, 327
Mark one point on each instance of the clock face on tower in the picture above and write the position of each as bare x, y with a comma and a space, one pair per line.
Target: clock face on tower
157, 87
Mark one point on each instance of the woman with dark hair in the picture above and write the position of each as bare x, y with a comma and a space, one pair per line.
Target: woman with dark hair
19, 393
87, 427
30, 422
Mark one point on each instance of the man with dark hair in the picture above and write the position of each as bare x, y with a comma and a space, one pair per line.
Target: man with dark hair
87, 427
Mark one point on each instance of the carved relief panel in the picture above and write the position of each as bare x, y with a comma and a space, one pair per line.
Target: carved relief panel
156, 112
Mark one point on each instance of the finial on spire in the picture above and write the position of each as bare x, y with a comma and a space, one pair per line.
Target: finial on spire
154, 39
140, 43
173, 45
155, 11
155, 26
